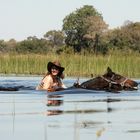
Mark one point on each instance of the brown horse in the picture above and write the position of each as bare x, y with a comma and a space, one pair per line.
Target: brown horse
109, 81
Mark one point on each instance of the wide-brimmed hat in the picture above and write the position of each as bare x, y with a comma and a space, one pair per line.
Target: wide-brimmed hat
57, 65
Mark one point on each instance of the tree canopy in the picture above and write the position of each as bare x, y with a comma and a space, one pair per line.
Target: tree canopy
81, 27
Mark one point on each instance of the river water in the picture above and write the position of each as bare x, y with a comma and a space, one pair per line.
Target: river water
75, 115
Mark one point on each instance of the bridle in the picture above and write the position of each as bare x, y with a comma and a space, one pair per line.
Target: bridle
111, 81
121, 83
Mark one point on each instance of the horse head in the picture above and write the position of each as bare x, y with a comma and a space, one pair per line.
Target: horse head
124, 82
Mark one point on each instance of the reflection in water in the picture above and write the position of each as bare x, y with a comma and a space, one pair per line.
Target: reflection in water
13, 113
34, 115
105, 117
54, 101
54, 112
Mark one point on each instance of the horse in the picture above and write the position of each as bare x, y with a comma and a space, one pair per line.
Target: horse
110, 81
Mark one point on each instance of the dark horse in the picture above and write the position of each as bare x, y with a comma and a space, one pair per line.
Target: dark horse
110, 81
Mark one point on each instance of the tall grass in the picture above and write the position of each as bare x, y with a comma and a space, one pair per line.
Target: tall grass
75, 65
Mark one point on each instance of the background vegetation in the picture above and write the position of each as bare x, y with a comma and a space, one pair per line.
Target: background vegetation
75, 64
85, 45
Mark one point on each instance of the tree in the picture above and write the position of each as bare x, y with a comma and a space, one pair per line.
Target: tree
126, 37
81, 27
2, 46
32, 45
131, 34
95, 26
11, 45
56, 38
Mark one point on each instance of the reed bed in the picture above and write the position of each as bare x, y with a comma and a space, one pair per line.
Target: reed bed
75, 65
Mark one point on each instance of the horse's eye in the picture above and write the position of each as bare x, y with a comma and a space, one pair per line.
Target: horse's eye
118, 77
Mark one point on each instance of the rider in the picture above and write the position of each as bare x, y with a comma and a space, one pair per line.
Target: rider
52, 80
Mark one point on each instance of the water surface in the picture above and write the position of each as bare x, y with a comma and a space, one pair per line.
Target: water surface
35, 115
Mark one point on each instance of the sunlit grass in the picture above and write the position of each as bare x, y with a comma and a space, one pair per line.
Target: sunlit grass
75, 65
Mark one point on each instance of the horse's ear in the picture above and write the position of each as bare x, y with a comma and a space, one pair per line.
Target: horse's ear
109, 70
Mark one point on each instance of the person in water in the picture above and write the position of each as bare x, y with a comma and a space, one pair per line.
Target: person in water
52, 80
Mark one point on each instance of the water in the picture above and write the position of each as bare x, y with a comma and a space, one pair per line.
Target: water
34, 115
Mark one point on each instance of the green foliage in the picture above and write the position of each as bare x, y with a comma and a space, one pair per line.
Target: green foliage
125, 38
81, 27
132, 35
56, 38
2, 46
32, 45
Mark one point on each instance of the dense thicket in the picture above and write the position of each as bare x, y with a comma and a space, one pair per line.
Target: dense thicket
84, 31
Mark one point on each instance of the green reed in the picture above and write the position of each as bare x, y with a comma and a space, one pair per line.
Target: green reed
75, 65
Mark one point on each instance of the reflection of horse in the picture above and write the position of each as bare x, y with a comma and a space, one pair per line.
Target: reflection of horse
109, 81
